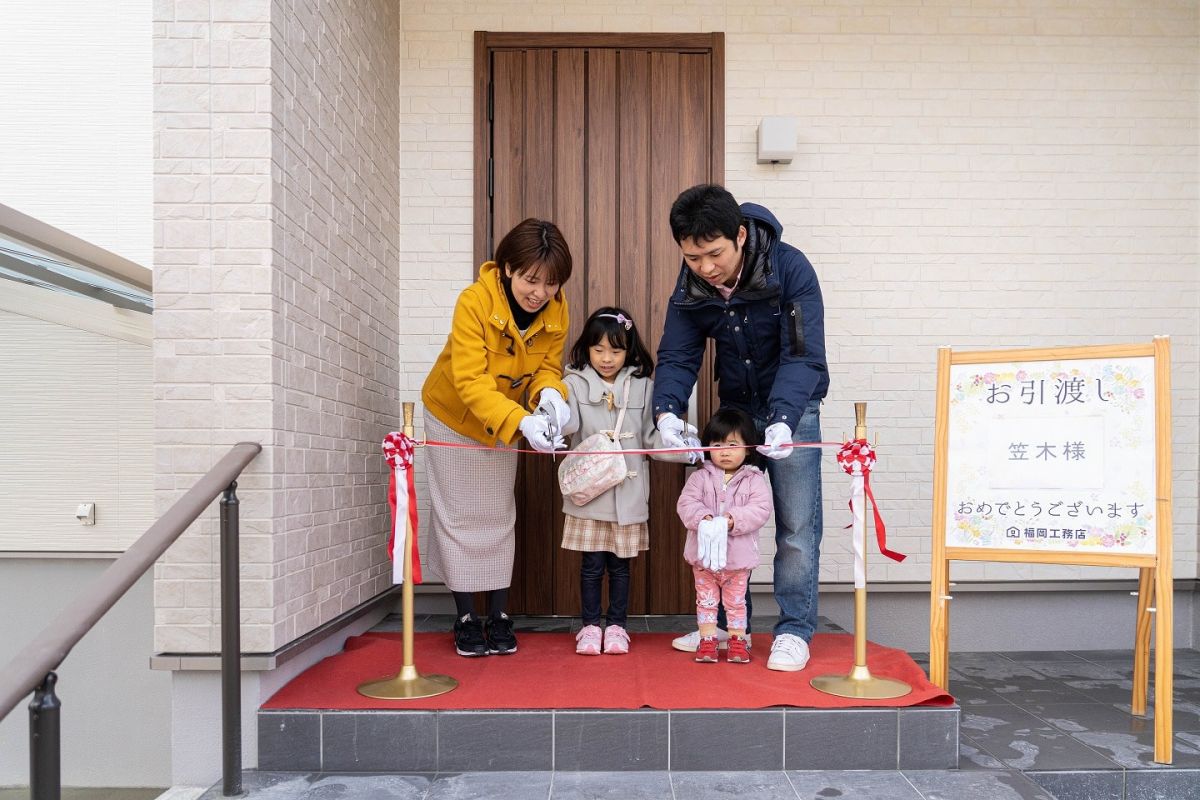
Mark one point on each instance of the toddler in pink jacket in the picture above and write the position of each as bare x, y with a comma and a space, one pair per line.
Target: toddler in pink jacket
724, 504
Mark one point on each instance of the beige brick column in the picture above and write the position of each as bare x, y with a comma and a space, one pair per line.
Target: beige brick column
276, 291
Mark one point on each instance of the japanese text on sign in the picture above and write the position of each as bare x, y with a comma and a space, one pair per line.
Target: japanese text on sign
1052, 455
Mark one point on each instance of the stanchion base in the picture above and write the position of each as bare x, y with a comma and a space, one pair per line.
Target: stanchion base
408, 685
860, 683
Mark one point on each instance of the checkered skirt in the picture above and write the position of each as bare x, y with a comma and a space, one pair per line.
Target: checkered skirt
474, 512
600, 536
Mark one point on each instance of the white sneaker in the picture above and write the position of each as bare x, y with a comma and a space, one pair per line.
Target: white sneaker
789, 653
690, 641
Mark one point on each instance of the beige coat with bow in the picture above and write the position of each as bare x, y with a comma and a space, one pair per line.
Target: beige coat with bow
588, 397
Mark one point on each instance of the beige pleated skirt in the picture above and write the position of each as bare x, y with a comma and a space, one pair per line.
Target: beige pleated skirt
474, 512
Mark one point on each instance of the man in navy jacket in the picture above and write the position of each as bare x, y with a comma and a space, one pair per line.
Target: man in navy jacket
758, 299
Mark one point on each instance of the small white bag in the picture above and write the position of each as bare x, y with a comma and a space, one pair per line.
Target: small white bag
582, 476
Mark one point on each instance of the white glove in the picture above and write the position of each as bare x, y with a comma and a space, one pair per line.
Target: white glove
536, 429
776, 439
677, 434
552, 404
720, 547
673, 430
712, 536
703, 542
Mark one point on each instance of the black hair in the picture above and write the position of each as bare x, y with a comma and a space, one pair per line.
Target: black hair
532, 244
603, 323
704, 212
731, 420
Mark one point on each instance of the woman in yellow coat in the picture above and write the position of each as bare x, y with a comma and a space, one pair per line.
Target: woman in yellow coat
503, 357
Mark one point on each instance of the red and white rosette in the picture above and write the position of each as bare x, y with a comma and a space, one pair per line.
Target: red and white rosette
857, 459
398, 452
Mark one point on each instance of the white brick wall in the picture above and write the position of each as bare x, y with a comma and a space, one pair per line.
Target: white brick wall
276, 147
214, 315
975, 174
336, 158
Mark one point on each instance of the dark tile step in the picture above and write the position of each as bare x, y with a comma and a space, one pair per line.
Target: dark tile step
640, 739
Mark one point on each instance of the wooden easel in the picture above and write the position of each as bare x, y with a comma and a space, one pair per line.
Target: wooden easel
1155, 589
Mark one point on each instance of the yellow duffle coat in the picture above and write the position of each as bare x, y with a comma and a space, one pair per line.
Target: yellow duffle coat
482, 374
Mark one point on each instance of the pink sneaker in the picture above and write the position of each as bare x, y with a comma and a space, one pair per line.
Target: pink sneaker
587, 641
616, 640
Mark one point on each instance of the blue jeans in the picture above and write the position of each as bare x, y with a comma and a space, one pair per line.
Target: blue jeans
796, 490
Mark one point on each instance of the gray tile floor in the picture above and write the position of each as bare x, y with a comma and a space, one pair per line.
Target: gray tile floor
1067, 711
825, 785
22, 793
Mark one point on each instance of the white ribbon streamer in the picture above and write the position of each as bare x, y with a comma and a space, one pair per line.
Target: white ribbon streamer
400, 530
858, 508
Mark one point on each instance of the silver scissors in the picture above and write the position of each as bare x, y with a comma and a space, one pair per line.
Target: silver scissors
554, 431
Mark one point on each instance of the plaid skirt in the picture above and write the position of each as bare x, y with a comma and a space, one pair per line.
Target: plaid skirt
600, 536
474, 512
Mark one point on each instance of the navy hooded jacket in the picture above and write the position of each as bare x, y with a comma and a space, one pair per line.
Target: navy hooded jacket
769, 335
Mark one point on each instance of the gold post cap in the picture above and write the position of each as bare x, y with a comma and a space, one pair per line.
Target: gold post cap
860, 420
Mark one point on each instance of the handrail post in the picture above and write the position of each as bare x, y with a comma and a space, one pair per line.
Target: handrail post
231, 647
45, 763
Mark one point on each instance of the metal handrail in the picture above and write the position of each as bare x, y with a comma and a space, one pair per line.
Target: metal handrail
45, 653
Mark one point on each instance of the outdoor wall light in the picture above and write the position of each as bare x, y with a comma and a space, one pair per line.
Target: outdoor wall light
776, 140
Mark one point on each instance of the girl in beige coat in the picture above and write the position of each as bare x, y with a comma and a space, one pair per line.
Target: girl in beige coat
608, 358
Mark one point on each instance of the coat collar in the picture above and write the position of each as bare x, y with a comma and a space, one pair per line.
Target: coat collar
756, 279
718, 475
551, 316
597, 388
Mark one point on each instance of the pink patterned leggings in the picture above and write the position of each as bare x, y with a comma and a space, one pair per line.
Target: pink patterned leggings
728, 586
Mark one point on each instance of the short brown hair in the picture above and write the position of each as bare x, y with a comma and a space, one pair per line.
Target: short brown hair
536, 243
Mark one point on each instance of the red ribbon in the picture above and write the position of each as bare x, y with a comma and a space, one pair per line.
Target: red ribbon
398, 452
622, 452
857, 458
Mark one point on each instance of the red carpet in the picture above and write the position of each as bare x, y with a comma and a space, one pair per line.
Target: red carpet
546, 673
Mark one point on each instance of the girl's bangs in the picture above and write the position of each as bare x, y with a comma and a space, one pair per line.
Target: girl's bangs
616, 334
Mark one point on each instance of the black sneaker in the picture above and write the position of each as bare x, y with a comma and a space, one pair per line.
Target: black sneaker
468, 637
500, 637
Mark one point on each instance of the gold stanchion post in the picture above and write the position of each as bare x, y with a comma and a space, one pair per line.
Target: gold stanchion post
860, 682
409, 684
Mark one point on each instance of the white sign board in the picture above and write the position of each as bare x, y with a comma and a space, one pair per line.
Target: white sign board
1054, 456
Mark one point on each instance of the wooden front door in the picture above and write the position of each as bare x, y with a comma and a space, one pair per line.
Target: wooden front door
598, 133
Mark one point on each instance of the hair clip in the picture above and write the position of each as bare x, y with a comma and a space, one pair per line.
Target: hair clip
621, 320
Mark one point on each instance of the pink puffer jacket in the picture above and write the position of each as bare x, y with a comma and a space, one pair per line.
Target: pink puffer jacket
746, 498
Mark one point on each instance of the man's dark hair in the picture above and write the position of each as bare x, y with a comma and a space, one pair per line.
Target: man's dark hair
704, 212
